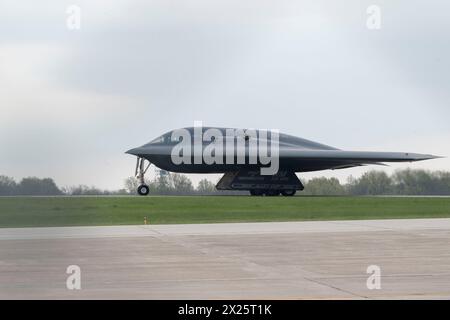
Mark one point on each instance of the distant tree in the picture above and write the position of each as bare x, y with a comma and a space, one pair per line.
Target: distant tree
370, 183
206, 187
162, 183
35, 186
8, 186
421, 182
444, 182
83, 190
406, 182
121, 192
181, 184
131, 184
324, 186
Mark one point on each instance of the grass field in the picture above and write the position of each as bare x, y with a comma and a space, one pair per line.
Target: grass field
77, 211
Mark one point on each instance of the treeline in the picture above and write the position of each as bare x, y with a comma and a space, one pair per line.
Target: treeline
163, 184
33, 186
166, 183
28, 186
402, 182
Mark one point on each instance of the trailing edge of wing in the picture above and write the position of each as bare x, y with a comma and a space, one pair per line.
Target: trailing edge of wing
346, 166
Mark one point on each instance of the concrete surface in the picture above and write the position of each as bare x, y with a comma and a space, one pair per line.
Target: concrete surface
288, 260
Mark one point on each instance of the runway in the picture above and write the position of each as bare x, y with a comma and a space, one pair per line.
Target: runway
283, 260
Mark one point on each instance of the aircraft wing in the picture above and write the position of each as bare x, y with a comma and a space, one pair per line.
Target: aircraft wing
361, 157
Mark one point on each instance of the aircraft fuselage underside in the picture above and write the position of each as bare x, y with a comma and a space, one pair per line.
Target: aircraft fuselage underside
253, 180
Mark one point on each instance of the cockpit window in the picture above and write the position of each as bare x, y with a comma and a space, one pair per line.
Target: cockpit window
176, 139
158, 140
166, 139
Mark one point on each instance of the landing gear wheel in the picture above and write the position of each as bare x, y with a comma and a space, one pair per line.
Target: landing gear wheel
288, 193
143, 190
256, 192
271, 193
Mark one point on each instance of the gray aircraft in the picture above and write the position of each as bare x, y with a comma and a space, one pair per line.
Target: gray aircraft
243, 154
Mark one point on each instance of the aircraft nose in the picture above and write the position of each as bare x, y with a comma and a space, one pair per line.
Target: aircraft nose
136, 151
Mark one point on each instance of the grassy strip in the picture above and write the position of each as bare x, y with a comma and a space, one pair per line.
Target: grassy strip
78, 211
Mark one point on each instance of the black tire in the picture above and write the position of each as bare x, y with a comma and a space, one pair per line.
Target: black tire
143, 190
256, 192
271, 193
288, 193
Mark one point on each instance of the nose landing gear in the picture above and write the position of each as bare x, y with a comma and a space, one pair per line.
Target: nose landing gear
141, 169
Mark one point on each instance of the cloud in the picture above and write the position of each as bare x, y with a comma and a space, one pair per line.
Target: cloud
136, 69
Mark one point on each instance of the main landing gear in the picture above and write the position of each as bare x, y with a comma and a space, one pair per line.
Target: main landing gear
273, 193
141, 169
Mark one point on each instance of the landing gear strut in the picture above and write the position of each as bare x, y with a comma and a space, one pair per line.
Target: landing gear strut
141, 169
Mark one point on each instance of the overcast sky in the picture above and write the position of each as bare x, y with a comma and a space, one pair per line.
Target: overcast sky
73, 101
